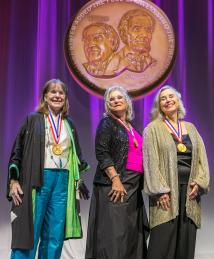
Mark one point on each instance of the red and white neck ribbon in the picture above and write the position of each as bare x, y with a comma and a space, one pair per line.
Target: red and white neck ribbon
176, 133
130, 129
56, 130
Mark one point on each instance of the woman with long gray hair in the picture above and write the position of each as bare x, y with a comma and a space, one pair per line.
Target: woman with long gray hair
176, 175
117, 221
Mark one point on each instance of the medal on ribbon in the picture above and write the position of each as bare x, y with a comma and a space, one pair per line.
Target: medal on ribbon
57, 149
178, 135
56, 132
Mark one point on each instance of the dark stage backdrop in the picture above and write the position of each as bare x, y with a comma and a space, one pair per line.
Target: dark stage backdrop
31, 52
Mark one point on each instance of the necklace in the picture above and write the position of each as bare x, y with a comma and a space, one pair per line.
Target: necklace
56, 132
60, 163
177, 133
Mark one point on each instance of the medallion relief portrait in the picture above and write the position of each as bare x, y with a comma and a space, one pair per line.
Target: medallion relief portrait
130, 43
101, 42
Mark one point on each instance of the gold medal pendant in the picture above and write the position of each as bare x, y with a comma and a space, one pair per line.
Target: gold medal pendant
181, 147
57, 149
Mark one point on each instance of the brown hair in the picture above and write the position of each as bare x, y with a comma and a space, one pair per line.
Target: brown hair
43, 107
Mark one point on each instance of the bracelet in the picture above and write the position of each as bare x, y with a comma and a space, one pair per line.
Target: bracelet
112, 177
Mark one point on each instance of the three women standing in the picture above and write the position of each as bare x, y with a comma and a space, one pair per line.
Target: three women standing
45, 167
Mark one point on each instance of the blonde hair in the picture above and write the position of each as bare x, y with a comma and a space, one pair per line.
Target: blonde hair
156, 111
123, 91
43, 106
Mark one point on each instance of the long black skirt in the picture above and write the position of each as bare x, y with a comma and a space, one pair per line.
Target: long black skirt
118, 230
174, 239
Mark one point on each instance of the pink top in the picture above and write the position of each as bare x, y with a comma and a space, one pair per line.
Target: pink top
135, 158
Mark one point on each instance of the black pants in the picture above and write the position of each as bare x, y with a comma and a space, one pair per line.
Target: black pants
176, 238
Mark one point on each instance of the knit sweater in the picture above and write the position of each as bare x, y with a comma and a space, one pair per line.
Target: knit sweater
161, 173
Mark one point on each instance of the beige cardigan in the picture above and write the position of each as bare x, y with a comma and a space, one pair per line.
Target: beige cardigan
160, 169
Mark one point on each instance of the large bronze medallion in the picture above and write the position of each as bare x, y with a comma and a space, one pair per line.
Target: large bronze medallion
120, 42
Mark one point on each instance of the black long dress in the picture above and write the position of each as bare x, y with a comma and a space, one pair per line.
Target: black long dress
176, 239
116, 230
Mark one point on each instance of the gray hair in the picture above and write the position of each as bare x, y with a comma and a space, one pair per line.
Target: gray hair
156, 111
123, 91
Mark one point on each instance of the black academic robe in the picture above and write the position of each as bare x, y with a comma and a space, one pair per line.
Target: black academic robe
28, 155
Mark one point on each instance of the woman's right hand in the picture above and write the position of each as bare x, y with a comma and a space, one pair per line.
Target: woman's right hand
164, 201
16, 192
117, 190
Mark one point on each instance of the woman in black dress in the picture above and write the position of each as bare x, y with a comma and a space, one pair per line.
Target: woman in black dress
117, 221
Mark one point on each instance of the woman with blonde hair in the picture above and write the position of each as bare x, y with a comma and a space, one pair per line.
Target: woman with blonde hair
176, 175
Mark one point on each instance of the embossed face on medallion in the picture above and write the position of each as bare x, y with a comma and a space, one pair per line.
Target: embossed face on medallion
136, 28
100, 42
140, 34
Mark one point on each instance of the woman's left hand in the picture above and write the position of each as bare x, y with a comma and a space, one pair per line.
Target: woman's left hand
194, 192
164, 201
83, 190
117, 190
